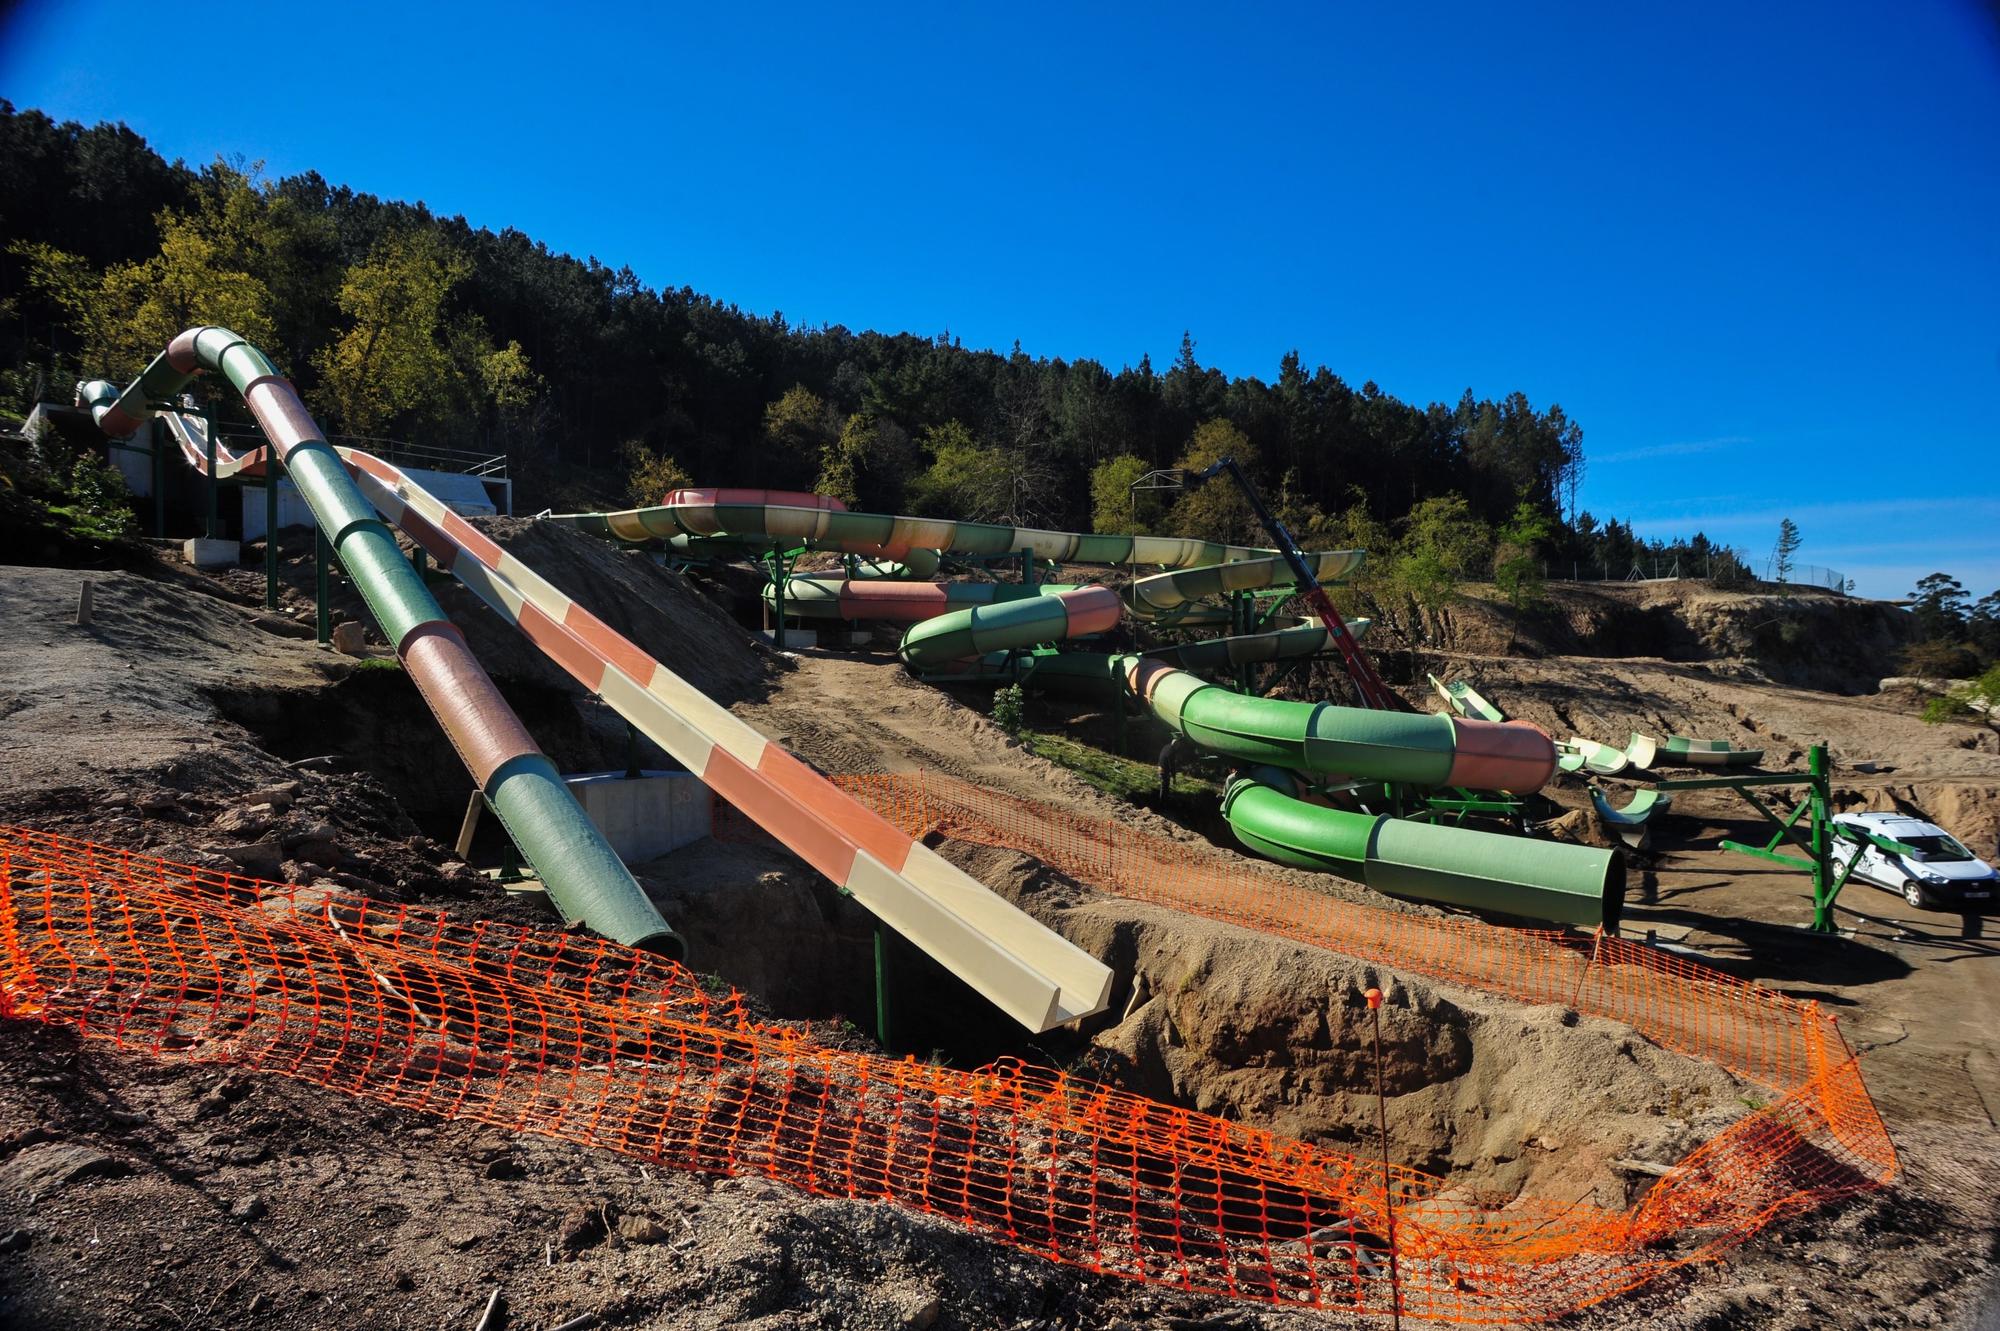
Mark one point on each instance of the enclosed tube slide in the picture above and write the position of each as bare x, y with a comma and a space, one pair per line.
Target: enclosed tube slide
584, 877
963, 634
886, 601
1542, 880
1408, 747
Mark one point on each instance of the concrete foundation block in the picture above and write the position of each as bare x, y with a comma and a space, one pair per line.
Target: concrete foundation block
205, 553
646, 816
795, 639
858, 638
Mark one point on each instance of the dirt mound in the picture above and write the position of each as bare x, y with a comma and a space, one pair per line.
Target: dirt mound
658, 609
1809, 639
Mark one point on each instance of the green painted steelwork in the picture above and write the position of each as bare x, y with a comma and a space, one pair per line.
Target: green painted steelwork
1817, 840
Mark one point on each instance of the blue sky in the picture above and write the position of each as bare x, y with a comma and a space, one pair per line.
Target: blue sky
1753, 249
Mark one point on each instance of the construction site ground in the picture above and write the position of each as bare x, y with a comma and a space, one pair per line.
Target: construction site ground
135, 1193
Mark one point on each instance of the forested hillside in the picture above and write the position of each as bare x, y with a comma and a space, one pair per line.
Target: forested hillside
396, 322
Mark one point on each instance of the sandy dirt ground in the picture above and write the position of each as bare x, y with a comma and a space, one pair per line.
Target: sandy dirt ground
149, 1195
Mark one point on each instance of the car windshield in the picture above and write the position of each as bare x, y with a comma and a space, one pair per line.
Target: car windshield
1935, 849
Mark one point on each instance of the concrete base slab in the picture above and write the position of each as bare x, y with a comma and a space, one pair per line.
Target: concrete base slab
795, 639
858, 638
646, 816
205, 553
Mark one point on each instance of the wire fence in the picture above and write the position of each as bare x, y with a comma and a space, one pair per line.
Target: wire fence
547, 1032
1668, 568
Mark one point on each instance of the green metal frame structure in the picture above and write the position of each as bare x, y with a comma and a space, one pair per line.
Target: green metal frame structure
1817, 839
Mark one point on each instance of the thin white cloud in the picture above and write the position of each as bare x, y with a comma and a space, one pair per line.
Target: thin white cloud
1915, 507
1679, 449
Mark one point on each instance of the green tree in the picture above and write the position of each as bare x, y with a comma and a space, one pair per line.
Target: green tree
1114, 507
1789, 542
206, 272
798, 425
392, 360
1939, 607
1441, 543
1517, 564
650, 476
964, 480
1217, 510
842, 460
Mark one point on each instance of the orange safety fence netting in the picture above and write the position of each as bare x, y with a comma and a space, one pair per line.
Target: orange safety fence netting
581, 1039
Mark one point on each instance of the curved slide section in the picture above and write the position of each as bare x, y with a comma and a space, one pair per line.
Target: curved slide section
584, 877
1543, 880
1163, 594
1408, 747
740, 513
1069, 613
884, 600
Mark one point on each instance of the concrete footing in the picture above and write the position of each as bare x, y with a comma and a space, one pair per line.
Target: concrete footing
205, 553
646, 816
795, 639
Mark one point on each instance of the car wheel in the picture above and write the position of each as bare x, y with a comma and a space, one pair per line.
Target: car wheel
1912, 892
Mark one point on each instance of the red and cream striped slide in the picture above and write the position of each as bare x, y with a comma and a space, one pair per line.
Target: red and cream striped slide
1023, 967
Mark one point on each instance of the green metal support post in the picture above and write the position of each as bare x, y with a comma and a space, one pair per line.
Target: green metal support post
159, 478
208, 420
271, 529
322, 559
882, 1028
778, 576
1817, 838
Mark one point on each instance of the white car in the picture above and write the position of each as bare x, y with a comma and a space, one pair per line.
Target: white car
1938, 874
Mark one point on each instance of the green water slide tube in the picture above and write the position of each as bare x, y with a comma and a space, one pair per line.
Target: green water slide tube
1098, 675
1167, 594
1408, 747
1540, 880
1026, 622
583, 876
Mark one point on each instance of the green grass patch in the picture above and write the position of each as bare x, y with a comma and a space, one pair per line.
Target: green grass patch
1113, 775
378, 663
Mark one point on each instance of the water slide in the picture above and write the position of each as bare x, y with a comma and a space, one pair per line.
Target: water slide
969, 622
1269, 813
766, 517
1021, 966
1542, 880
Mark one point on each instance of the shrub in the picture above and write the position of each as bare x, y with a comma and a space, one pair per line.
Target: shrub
1010, 709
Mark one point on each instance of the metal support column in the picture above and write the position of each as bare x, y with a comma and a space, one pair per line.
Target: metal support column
159, 478
882, 1027
208, 420
270, 529
322, 569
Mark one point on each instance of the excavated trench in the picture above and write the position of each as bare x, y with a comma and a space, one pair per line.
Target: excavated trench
1504, 1100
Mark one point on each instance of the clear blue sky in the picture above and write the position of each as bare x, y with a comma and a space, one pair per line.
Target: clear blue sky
1754, 249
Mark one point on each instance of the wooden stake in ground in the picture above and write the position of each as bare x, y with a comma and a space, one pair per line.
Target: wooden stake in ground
496, 1306
1374, 997
83, 605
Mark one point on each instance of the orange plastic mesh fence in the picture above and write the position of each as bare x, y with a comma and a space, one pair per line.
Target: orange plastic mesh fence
577, 1038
